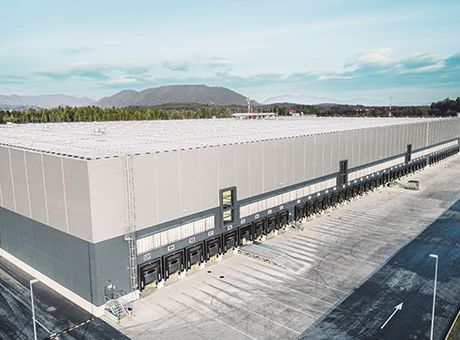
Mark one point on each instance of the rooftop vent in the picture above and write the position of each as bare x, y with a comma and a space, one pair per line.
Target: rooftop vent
98, 131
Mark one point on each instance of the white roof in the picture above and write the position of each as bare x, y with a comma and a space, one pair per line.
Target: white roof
93, 140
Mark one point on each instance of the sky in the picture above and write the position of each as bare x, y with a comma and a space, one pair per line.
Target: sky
355, 50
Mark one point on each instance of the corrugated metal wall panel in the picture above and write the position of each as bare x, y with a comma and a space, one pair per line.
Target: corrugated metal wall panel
6, 179
401, 139
342, 151
361, 142
269, 165
335, 142
179, 183
353, 148
54, 187
290, 160
405, 137
309, 157
145, 188
21, 190
383, 143
391, 140
256, 174
371, 150
167, 170
319, 155
410, 135
209, 178
280, 156
242, 169
327, 153
189, 168
226, 154
299, 159
421, 135
77, 197
432, 132
378, 143
416, 136
363, 137
108, 198
36, 187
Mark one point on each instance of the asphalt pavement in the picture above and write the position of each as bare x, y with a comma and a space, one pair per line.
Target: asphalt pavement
52, 310
407, 278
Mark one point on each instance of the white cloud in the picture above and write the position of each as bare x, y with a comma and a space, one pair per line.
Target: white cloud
381, 56
123, 80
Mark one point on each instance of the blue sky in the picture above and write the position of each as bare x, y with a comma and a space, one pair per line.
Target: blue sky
343, 50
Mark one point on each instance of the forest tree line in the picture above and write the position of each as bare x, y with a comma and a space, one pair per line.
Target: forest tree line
446, 107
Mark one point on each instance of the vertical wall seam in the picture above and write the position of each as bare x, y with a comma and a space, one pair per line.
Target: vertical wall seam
65, 195
90, 205
179, 177
44, 189
12, 180
27, 183
155, 161
1, 193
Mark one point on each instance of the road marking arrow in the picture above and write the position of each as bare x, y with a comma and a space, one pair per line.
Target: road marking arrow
397, 308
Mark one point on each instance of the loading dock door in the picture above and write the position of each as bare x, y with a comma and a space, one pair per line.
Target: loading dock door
271, 224
150, 274
307, 209
367, 185
355, 190
335, 198
299, 212
327, 201
318, 204
340, 196
173, 263
283, 219
194, 255
259, 227
213, 247
349, 193
230, 240
245, 234
310, 208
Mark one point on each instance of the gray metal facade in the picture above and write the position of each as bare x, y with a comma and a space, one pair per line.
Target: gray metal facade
81, 266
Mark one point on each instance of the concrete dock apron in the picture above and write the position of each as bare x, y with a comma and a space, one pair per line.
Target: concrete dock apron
243, 297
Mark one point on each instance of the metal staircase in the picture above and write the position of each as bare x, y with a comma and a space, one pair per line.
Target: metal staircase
117, 309
130, 234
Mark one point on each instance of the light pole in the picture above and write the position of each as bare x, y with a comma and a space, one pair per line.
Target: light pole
31, 282
434, 293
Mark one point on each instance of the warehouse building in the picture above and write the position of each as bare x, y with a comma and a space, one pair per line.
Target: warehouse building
100, 210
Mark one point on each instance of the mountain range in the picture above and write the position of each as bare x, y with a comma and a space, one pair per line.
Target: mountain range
313, 100
173, 94
44, 101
